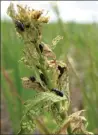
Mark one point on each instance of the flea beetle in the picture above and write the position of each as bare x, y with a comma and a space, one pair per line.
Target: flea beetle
19, 25
58, 92
41, 47
42, 77
32, 78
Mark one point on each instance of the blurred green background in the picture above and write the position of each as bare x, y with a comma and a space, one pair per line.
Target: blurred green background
79, 48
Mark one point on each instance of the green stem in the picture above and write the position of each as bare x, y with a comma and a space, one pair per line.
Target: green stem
42, 127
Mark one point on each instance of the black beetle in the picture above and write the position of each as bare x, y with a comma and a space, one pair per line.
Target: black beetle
61, 69
42, 77
41, 47
19, 25
32, 78
58, 92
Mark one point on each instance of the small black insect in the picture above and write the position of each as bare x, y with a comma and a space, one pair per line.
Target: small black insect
41, 47
61, 70
32, 78
42, 77
19, 25
58, 92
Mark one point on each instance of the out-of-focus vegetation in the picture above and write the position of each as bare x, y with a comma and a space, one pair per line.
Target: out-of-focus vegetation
79, 48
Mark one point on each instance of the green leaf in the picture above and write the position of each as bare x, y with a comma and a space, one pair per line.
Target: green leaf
36, 107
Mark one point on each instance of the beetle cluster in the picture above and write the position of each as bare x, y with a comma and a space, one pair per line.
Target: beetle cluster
58, 92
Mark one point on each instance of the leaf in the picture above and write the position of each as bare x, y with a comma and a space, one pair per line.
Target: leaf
34, 108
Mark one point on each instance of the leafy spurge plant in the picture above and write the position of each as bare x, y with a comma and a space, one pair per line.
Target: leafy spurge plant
51, 79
